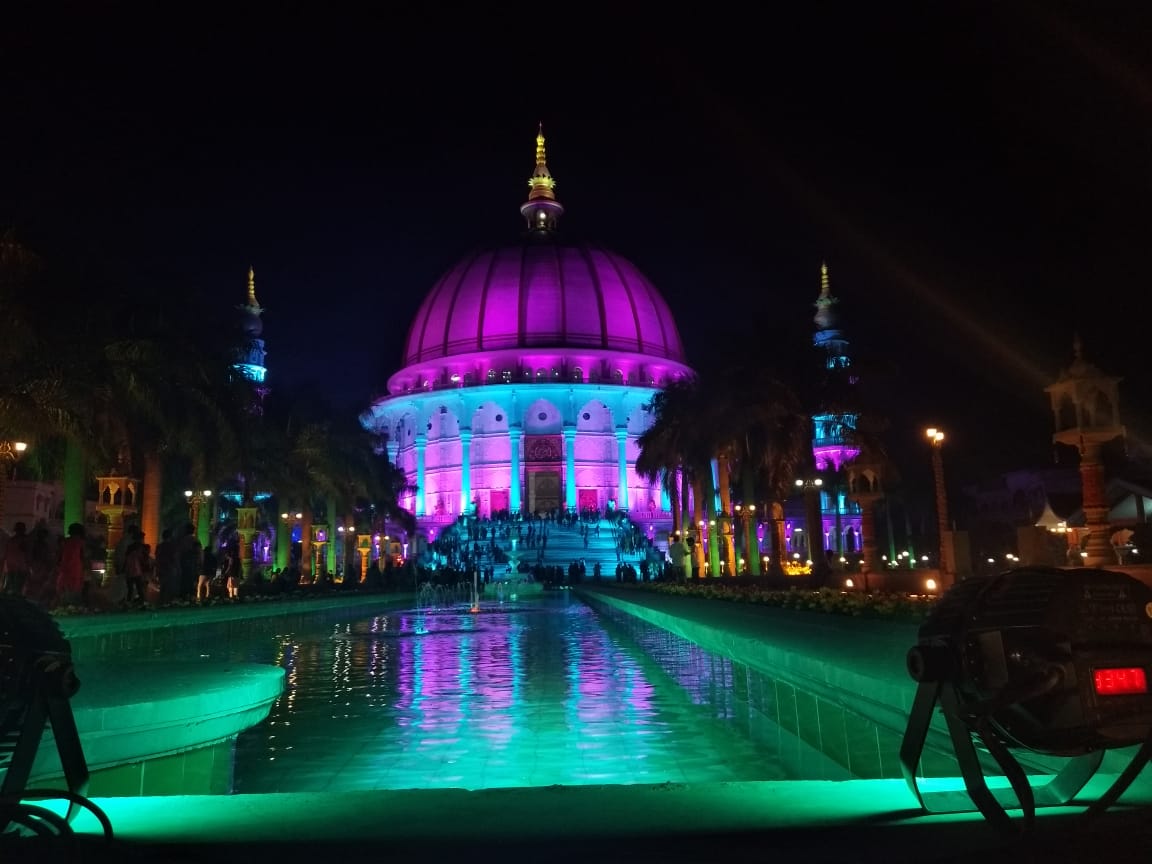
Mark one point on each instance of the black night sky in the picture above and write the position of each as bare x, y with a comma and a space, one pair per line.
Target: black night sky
978, 178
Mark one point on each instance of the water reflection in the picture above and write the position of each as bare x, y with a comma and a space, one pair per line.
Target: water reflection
529, 695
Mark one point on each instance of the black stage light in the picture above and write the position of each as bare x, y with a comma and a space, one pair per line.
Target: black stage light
1054, 661
37, 679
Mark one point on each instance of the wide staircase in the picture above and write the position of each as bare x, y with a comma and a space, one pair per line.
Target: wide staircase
566, 544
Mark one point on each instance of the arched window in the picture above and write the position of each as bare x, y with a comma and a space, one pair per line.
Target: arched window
577, 373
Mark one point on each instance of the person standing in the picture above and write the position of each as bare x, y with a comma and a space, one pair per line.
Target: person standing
74, 565
16, 557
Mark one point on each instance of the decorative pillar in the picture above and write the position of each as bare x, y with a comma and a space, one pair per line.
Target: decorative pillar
570, 467
1086, 411
465, 470
622, 484
333, 538
514, 484
115, 499
751, 541
393, 448
319, 543
246, 515
421, 444
364, 547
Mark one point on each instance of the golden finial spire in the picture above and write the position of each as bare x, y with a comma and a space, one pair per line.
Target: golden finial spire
541, 211
252, 287
541, 183
825, 316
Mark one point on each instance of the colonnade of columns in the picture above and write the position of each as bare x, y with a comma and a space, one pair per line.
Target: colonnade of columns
515, 436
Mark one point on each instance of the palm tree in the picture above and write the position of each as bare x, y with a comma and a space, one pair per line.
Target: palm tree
44, 386
679, 439
165, 395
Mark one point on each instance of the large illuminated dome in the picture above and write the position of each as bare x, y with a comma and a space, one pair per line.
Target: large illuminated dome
526, 372
542, 295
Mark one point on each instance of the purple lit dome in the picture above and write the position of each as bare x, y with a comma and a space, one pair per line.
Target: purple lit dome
543, 295
543, 311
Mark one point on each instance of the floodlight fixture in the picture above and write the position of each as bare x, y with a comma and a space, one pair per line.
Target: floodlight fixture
37, 679
1055, 661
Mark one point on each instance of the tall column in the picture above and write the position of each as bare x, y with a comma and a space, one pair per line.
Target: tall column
75, 481
333, 537
393, 448
284, 540
246, 515
465, 470
570, 467
421, 444
867, 550
1099, 544
514, 484
622, 491
941, 506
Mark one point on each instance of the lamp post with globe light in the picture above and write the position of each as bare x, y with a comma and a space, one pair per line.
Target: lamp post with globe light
936, 440
815, 525
198, 515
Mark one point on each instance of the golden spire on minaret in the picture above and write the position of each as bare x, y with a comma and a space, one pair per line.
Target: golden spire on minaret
252, 301
541, 183
825, 316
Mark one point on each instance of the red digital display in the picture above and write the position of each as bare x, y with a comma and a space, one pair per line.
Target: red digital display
1120, 682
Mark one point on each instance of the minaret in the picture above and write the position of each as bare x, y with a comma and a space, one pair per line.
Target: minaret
830, 445
828, 335
541, 211
250, 353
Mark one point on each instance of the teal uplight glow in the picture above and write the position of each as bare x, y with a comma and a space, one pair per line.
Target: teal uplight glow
521, 694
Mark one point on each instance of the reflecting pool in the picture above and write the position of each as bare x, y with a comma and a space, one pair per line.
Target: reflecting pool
535, 693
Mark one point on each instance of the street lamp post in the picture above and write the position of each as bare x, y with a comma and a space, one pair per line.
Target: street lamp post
10, 451
196, 498
346, 551
936, 440
288, 521
815, 526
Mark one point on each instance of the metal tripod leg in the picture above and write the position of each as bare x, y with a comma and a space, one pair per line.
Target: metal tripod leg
71, 752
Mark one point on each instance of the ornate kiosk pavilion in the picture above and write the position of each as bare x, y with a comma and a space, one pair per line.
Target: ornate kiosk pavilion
526, 372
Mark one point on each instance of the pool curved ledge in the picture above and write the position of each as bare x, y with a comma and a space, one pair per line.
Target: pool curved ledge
136, 714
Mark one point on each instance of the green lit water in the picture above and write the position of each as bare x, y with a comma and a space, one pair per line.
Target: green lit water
530, 694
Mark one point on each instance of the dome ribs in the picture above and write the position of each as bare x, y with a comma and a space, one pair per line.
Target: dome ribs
464, 271
482, 316
631, 299
586, 256
521, 302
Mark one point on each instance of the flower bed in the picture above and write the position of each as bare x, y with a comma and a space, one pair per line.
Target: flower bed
827, 600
